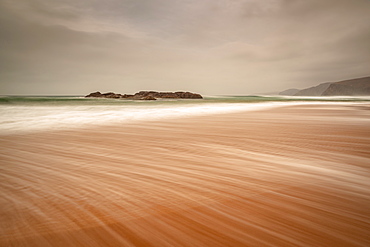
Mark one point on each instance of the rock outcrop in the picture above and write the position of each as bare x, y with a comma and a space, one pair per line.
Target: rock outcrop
104, 95
147, 95
169, 95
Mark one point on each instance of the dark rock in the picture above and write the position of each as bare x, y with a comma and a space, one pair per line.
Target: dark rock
104, 95
169, 95
95, 95
147, 95
111, 95
188, 95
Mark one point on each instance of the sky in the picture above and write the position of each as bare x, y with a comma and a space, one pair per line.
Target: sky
212, 47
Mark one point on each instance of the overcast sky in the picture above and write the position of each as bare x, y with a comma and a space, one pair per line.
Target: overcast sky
207, 46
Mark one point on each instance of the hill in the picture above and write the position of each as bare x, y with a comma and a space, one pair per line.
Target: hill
352, 87
314, 91
289, 92
359, 86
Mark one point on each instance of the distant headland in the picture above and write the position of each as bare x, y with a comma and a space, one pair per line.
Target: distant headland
353, 87
146, 95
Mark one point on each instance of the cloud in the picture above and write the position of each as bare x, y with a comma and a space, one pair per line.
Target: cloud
214, 47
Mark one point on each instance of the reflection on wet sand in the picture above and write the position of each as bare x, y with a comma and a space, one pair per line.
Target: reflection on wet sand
292, 176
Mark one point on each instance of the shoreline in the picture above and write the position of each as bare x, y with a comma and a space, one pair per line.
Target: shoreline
288, 176
77, 119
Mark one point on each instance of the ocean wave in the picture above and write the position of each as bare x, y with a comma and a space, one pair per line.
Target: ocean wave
24, 114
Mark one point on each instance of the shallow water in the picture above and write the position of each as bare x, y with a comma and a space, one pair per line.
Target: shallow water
30, 114
288, 176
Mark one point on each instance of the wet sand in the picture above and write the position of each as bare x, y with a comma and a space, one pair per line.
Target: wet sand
289, 176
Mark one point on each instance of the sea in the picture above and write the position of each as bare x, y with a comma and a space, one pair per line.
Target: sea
20, 114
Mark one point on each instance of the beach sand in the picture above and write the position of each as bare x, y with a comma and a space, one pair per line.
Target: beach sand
290, 176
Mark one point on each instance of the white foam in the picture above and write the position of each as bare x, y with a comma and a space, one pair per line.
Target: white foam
16, 119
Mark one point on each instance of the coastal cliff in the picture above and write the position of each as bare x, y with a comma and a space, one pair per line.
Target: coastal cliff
352, 87
314, 91
146, 95
360, 86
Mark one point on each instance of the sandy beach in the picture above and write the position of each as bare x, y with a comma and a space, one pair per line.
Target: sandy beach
289, 176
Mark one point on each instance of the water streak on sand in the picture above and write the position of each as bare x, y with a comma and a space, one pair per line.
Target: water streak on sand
292, 176
30, 114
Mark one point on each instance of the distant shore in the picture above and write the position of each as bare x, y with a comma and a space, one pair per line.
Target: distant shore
288, 176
